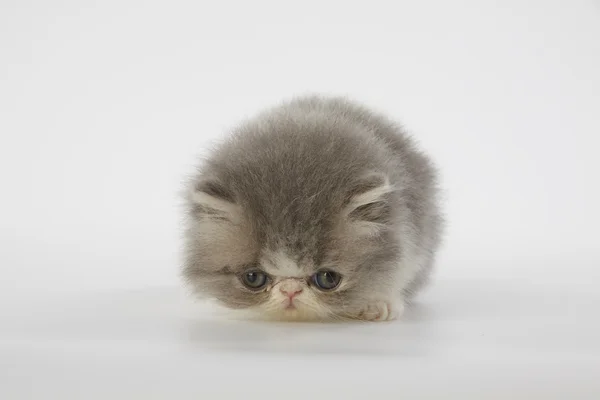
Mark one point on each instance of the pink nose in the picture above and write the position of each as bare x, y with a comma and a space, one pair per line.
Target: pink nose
290, 293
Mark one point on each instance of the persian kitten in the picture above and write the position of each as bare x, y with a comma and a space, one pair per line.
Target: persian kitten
317, 209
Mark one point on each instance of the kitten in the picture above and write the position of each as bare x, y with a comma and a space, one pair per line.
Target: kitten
316, 209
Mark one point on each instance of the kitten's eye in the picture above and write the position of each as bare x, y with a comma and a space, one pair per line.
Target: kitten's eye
326, 280
254, 279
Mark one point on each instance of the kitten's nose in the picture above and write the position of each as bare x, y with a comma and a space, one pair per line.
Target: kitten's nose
290, 288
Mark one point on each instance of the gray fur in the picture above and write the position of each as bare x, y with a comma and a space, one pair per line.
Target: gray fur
282, 181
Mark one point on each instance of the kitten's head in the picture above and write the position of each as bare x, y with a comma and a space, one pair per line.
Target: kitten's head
306, 265
293, 227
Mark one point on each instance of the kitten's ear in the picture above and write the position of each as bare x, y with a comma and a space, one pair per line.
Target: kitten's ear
213, 200
368, 208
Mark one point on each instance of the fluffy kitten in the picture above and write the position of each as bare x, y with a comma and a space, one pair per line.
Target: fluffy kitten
315, 209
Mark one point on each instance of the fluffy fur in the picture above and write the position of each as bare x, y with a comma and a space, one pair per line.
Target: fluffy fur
313, 184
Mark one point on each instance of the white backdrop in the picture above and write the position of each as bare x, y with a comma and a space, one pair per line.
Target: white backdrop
104, 107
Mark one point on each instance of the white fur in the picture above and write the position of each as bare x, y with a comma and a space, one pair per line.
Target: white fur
280, 264
382, 310
366, 228
289, 277
369, 197
230, 210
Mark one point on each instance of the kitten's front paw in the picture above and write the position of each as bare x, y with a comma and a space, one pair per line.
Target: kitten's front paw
381, 310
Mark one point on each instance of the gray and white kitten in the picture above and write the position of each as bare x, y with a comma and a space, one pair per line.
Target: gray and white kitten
317, 209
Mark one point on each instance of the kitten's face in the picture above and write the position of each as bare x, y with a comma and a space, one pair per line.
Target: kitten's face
299, 264
282, 287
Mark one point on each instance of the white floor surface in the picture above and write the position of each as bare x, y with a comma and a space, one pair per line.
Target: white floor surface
517, 337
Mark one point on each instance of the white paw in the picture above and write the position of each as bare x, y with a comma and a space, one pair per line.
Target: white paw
380, 310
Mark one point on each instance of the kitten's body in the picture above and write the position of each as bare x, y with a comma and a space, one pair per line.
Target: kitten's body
315, 184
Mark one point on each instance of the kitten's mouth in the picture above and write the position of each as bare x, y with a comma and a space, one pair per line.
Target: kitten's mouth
290, 305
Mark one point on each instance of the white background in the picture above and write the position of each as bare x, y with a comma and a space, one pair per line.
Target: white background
105, 106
